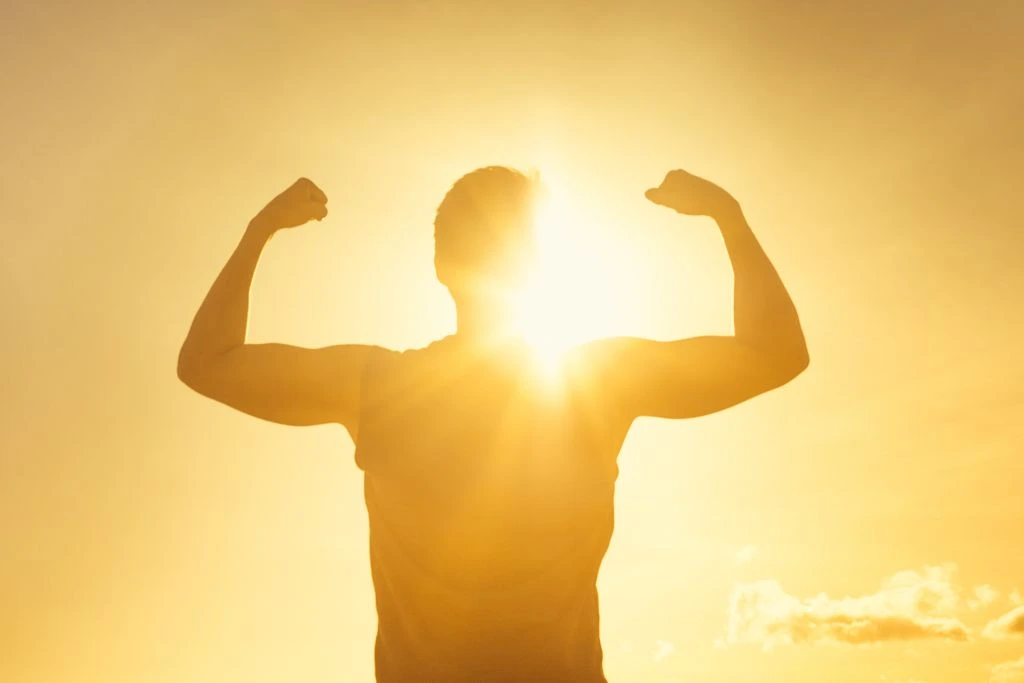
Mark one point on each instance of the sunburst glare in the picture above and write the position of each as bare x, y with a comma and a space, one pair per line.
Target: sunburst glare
558, 309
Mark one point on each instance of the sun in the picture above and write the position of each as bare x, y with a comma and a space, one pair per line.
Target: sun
559, 308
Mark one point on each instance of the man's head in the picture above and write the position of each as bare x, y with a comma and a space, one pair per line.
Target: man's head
483, 234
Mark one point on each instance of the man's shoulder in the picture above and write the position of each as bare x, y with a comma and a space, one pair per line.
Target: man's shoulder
598, 355
387, 369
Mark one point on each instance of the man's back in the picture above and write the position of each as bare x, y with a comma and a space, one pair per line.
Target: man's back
489, 487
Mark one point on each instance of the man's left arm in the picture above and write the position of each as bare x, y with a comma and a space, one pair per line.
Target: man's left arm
701, 375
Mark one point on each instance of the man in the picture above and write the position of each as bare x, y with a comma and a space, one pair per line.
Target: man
489, 487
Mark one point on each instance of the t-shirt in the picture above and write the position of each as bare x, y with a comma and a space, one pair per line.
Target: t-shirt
489, 484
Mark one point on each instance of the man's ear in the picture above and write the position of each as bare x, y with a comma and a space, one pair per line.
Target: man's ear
441, 271
447, 275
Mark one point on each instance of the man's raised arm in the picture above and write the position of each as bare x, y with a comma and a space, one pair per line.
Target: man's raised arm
701, 375
276, 382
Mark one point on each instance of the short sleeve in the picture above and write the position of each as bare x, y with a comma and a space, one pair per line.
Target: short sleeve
377, 376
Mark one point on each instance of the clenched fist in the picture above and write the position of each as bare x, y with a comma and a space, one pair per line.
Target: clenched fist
299, 204
691, 195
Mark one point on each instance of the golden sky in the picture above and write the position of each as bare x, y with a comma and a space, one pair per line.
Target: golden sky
861, 524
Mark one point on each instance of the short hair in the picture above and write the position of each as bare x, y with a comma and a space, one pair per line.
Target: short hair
484, 222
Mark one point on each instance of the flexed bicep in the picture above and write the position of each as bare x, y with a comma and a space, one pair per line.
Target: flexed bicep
277, 382
287, 384
702, 375
684, 378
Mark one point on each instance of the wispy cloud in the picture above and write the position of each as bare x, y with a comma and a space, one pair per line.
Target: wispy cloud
664, 649
1008, 672
746, 554
984, 596
910, 605
1010, 625
1016, 598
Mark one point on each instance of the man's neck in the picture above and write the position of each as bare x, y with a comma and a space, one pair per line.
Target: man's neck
485, 326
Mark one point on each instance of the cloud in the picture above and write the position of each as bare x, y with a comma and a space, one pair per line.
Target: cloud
746, 554
984, 596
665, 648
1008, 672
910, 605
930, 591
1016, 598
1010, 625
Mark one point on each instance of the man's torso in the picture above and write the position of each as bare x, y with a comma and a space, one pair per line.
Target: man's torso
489, 486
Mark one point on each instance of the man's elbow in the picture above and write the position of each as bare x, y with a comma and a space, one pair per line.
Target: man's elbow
186, 370
794, 363
782, 367
190, 369
802, 359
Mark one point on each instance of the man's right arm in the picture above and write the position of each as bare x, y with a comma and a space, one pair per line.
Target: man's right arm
275, 382
286, 384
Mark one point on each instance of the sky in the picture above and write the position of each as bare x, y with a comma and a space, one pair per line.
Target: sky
861, 524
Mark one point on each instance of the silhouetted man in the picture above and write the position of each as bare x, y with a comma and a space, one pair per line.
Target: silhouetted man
489, 489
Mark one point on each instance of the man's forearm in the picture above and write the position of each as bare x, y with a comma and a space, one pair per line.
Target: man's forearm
764, 315
220, 324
